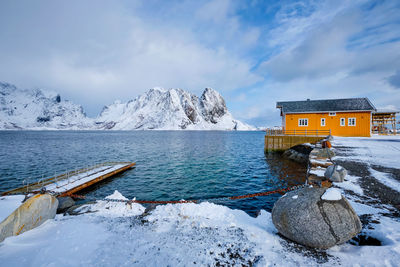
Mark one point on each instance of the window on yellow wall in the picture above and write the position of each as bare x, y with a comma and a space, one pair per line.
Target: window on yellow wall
322, 121
342, 122
352, 122
303, 122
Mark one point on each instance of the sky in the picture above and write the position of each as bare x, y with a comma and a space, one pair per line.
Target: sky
254, 53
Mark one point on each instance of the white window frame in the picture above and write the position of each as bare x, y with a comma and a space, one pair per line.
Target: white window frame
323, 122
332, 113
342, 121
303, 122
350, 121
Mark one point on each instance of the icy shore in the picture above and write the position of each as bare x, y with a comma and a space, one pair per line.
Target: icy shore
115, 234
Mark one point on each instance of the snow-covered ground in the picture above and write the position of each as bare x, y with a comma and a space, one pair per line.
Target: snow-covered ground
381, 150
377, 152
8, 204
115, 234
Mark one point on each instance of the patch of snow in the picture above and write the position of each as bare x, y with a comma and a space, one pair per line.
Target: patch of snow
351, 184
116, 195
362, 209
318, 171
113, 209
65, 241
8, 204
332, 194
295, 197
386, 255
376, 150
385, 179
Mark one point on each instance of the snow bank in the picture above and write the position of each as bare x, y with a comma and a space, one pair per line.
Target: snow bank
113, 209
8, 204
182, 235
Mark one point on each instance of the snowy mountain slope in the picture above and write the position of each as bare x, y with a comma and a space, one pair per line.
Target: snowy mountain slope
160, 109
172, 109
37, 109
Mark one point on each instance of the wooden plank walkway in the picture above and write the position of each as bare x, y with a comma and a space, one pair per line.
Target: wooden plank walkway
74, 181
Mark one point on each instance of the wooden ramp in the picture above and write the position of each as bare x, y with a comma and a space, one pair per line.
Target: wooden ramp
281, 140
74, 181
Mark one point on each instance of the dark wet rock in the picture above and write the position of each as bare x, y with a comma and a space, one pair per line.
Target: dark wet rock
295, 156
64, 203
302, 216
335, 173
365, 240
299, 153
303, 149
322, 153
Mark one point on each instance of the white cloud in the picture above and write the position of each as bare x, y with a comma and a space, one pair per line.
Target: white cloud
116, 51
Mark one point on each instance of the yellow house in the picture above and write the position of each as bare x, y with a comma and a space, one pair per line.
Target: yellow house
342, 117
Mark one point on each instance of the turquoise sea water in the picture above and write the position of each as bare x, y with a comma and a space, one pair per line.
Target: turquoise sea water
171, 165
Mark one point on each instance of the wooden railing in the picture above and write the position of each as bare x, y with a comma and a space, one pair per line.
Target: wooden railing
275, 132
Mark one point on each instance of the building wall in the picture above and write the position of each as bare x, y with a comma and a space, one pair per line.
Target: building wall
362, 127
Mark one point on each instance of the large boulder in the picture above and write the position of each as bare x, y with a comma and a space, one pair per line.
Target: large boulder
32, 213
335, 173
316, 217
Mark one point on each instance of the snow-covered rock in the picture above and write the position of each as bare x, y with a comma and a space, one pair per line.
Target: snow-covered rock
158, 109
173, 109
316, 217
37, 109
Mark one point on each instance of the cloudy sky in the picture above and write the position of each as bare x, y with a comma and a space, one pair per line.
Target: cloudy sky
253, 52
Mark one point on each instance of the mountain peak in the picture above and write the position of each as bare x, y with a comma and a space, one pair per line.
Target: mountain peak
173, 109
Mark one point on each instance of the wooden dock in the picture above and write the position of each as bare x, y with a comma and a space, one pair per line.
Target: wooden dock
74, 181
281, 140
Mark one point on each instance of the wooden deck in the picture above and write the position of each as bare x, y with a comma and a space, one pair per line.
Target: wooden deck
74, 181
281, 140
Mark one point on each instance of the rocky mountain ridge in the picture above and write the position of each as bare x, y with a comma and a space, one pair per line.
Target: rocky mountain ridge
157, 109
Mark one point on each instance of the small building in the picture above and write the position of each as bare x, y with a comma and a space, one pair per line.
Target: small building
384, 121
339, 117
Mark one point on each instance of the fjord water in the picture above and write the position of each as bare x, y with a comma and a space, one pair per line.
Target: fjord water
171, 165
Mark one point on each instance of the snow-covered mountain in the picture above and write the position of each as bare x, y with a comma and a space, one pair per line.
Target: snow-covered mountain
37, 109
157, 109
172, 109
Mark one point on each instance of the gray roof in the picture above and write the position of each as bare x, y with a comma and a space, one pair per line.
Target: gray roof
327, 105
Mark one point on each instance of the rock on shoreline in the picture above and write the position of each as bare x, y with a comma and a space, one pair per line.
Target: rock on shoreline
304, 217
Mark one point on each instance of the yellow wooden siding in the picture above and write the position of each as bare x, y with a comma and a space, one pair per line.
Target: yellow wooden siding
362, 127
